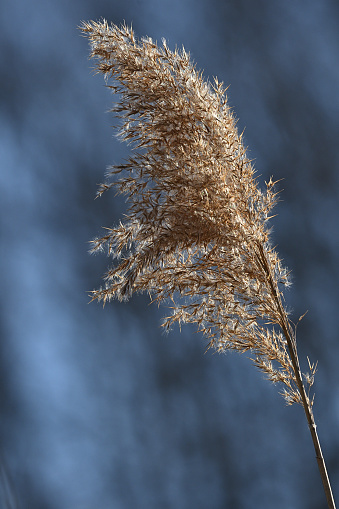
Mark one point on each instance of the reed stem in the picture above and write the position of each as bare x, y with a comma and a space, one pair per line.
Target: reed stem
292, 348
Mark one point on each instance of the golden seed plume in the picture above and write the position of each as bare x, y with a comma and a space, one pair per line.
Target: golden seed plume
196, 231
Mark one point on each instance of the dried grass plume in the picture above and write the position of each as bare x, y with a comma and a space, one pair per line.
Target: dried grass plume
196, 233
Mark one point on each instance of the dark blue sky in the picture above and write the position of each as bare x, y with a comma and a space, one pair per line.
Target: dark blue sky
98, 408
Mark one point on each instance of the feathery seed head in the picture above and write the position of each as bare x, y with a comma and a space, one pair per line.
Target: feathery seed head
196, 228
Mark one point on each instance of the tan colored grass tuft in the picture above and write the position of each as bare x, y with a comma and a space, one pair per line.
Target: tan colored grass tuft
196, 232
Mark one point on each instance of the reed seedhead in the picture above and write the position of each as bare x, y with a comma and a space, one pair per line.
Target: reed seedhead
196, 233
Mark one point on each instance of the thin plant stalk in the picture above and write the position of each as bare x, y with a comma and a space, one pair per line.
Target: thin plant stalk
292, 348
196, 232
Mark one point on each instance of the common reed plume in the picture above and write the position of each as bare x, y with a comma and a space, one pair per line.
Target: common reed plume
196, 233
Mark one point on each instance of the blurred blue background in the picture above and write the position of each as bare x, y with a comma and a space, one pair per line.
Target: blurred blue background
100, 410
